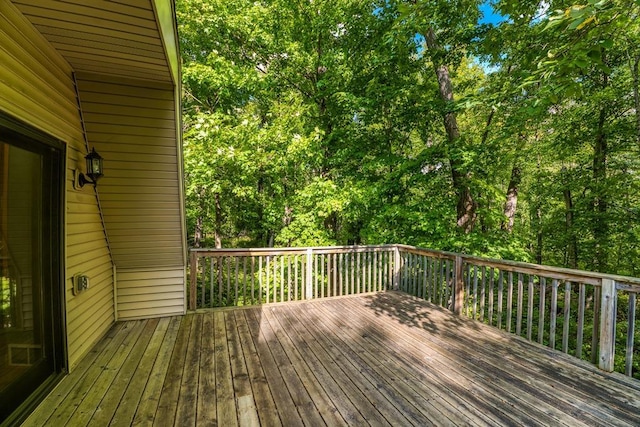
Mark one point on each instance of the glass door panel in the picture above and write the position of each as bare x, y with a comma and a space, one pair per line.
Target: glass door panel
30, 339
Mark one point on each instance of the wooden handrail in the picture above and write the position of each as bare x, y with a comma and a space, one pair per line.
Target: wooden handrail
559, 273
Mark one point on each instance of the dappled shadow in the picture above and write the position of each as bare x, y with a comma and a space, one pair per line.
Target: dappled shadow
415, 312
411, 313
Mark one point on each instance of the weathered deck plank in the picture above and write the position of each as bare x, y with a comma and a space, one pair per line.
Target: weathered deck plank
145, 409
127, 405
376, 359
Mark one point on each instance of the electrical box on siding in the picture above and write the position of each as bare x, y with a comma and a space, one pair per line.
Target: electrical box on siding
80, 283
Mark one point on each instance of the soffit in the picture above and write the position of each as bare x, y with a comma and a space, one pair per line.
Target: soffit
119, 38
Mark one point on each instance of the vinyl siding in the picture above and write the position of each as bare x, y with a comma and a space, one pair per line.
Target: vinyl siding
150, 293
132, 124
37, 87
120, 39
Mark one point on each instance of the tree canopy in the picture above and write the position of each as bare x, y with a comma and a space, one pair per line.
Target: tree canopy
366, 122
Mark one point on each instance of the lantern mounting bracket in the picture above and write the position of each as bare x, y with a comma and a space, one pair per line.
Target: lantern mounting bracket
80, 180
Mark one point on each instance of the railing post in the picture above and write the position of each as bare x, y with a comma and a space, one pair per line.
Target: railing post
193, 279
396, 268
608, 305
309, 285
458, 286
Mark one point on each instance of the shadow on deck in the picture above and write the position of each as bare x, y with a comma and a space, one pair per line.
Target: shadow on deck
374, 359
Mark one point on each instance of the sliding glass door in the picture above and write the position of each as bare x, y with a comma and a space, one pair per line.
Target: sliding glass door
31, 292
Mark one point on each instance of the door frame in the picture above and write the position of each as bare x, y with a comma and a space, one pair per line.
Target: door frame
53, 151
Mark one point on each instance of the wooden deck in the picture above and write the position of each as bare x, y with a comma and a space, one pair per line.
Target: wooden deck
374, 359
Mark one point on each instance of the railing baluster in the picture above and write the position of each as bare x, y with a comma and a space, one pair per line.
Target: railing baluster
483, 284
281, 278
422, 278
358, 267
467, 295
631, 318
407, 273
530, 308
500, 296
541, 310
315, 275
374, 269
296, 279
491, 283
430, 281
369, 272
220, 273
227, 296
244, 280
329, 275
509, 301
322, 283
260, 280
433, 297
268, 280
475, 292
211, 282
595, 335
352, 274
519, 306
449, 284
380, 269
345, 272
203, 283
567, 317
253, 271
581, 304
308, 283
193, 280
438, 298
288, 277
237, 261
554, 313
335, 275
458, 296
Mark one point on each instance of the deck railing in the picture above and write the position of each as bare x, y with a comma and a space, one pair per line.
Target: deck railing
588, 315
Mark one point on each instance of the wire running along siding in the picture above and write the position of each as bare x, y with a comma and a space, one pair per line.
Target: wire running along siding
560, 308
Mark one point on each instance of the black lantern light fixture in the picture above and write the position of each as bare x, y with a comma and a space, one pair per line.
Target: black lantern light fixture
94, 170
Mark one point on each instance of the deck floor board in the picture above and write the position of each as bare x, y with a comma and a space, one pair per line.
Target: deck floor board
376, 359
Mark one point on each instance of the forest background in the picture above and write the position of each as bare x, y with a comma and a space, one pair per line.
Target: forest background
334, 122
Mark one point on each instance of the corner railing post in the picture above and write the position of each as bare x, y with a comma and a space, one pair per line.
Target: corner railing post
458, 286
193, 279
396, 268
608, 306
309, 285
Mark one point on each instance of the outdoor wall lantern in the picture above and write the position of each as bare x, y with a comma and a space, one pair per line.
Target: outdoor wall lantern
94, 170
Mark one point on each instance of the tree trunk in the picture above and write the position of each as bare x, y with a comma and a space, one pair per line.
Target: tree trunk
287, 218
539, 234
198, 232
466, 206
538, 219
572, 247
600, 202
218, 230
512, 199
634, 65
197, 235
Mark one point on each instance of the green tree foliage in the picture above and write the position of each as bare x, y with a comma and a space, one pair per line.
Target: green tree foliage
326, 122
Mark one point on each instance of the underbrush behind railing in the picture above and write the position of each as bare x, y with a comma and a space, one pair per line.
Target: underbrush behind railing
239, 277
588, 315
